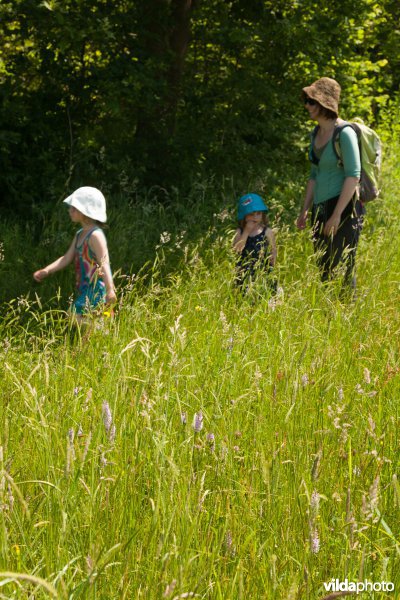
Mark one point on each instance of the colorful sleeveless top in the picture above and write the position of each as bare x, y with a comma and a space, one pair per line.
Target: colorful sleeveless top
90, 286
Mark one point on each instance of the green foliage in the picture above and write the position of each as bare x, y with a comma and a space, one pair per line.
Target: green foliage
170, 93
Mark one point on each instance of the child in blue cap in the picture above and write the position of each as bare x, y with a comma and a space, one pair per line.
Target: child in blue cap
254, 241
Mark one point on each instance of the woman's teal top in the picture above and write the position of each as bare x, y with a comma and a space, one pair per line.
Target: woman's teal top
329, 174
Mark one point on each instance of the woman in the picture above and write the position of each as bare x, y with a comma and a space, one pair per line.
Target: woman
332, 189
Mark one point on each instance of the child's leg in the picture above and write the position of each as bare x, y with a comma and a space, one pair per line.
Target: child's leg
80, 311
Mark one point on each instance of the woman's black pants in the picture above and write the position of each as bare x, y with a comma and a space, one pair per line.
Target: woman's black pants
340, 249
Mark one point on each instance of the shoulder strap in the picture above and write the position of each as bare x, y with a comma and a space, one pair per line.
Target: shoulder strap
87, 236
336, 139
95, 228
77, 236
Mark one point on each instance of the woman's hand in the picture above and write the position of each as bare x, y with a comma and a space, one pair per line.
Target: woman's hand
302, 220
332, 226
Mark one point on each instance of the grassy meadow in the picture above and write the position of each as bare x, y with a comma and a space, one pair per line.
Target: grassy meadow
201, 444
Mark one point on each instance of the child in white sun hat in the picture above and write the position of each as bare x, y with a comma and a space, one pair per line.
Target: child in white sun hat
88, 250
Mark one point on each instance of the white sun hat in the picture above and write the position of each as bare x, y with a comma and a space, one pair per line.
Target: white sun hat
90, 202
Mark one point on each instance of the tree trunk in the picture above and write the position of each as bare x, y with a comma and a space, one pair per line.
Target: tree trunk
165, 39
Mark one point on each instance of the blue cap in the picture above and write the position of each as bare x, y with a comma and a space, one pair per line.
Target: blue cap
250, 203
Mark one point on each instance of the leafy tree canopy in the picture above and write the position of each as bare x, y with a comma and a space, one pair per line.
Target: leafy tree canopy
106, 92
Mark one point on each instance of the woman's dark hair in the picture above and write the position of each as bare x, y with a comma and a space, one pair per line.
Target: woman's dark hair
325, 112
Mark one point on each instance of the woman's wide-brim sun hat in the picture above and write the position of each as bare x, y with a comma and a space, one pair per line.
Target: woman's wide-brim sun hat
250, 203
326, 92
90, 202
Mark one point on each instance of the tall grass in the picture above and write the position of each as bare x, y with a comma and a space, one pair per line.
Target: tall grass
201, 443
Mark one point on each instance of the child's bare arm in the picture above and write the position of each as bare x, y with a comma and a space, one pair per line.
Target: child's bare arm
57, 265
98, 244
269, 234
240, 239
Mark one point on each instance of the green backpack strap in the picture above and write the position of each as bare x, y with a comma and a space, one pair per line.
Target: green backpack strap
336, 139
370, 148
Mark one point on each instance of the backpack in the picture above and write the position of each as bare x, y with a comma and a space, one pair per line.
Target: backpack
370, 147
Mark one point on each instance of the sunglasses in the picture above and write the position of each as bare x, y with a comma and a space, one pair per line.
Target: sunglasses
310, 101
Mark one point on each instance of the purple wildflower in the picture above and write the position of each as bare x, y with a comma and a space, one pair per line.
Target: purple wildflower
314, 503
198, 422
112, 433
211, 441
315, 540
314, 511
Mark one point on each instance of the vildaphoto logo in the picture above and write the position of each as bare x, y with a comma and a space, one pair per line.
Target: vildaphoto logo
336, 585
